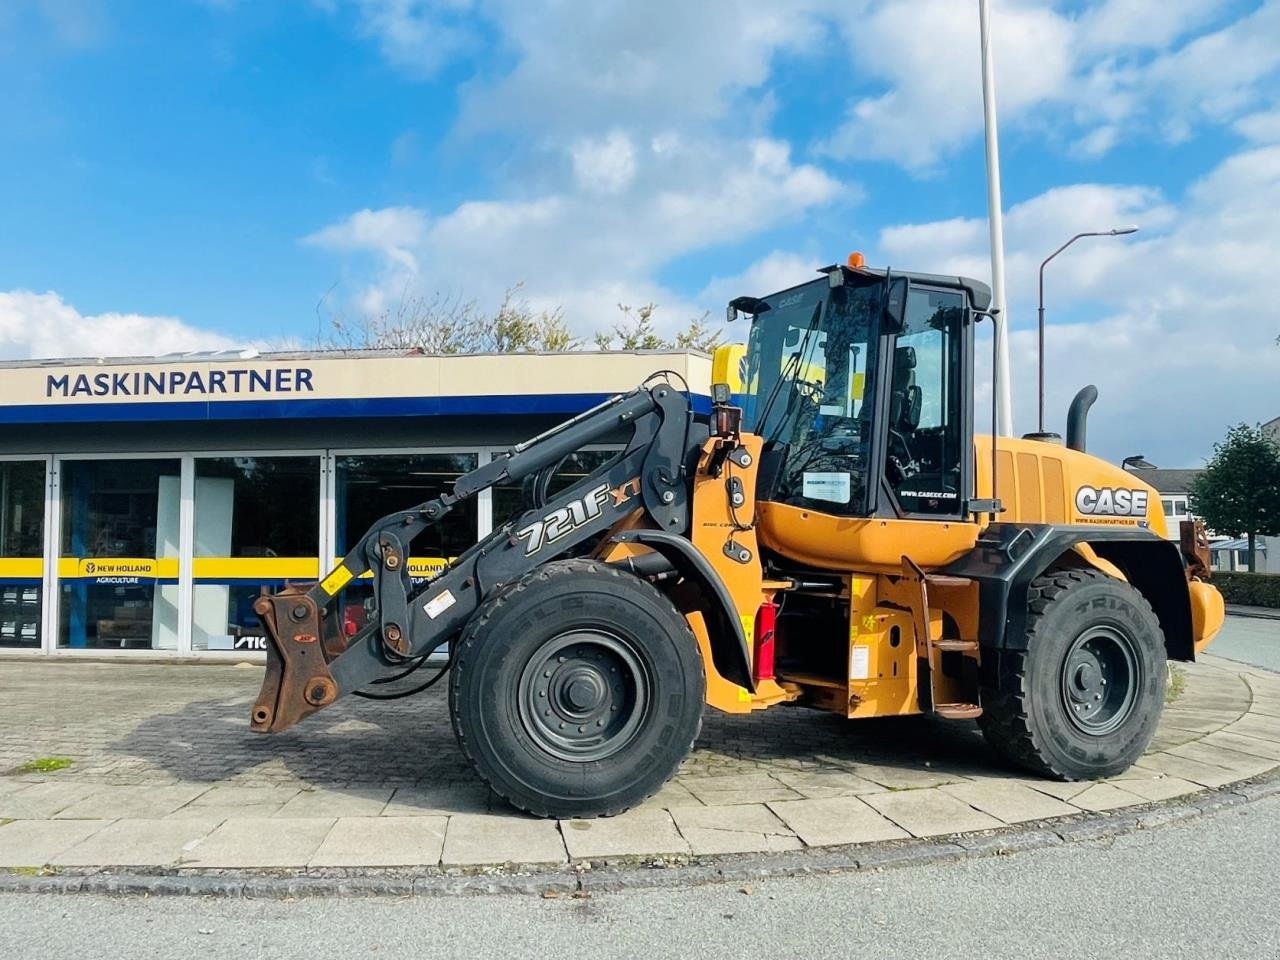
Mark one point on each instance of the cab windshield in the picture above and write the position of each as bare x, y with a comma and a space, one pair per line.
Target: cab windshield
810, 364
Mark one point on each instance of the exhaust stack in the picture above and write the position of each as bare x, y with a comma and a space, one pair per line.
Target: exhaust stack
1078, 416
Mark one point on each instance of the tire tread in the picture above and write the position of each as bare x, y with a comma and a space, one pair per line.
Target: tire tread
473, 634
1005, 719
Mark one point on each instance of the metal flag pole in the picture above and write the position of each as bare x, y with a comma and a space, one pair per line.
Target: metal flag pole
995, 213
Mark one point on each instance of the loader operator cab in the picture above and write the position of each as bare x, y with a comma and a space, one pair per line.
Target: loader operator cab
860, 385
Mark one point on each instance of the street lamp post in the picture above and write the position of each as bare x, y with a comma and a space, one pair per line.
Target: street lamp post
1113, 232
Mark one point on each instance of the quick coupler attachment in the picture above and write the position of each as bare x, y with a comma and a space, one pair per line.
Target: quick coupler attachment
297, 682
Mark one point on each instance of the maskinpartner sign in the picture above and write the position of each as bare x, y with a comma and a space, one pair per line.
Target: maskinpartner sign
329, 386
215, 381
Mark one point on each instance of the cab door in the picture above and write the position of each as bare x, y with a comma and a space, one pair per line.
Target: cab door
926, 438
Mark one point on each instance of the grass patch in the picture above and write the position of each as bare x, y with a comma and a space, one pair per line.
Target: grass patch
44, 765
1177, 684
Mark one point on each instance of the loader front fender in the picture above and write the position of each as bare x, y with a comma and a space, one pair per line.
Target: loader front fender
729, 653
1009, 556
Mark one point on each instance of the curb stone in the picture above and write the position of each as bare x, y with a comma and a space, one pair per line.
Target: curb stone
998, 844
1254, 613
728, 869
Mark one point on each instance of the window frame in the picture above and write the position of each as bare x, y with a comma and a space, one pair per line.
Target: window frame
889, 505
53, 534
48, 557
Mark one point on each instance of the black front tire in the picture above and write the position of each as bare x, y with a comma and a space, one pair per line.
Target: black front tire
577, 690
1082, 701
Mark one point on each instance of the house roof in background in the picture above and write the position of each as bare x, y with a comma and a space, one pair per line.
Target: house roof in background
1169, 480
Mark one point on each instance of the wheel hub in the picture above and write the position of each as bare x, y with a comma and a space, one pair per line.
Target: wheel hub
583, 695
585, 692
1100, 680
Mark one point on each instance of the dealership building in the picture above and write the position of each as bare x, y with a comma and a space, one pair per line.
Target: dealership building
145, 503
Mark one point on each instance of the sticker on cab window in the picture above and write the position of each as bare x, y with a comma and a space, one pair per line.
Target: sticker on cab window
832, 487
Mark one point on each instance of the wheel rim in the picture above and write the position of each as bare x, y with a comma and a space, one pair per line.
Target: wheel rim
584, 695
1101, 677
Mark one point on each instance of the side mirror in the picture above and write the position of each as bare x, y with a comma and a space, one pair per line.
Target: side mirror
751, 306
895, 305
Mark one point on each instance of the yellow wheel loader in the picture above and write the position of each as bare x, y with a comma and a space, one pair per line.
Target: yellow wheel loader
830, 533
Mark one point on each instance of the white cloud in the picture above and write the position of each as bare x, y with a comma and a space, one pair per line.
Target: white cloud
659, 64
606, 165
391, 232
1262, 127
933, 100
585, 250
1183, 343
38, 325
1089, 77
416, 36
776, 271
1120, 70
1117, 24
1215, 76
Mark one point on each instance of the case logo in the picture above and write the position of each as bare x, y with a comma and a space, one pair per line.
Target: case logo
1111, 501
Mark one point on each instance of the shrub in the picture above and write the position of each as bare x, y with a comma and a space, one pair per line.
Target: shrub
1250, 589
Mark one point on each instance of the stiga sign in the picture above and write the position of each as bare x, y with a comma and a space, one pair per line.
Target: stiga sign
228, 381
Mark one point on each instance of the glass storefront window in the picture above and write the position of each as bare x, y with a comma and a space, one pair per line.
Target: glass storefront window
369, 486
257, 524
509, 500
21, 552
118, 572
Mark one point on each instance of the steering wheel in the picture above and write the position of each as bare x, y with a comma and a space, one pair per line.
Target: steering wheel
905, 465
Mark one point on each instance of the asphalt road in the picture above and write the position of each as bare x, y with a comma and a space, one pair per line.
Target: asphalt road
1249, 640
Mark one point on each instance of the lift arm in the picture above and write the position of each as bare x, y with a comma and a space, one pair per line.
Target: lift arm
310, 663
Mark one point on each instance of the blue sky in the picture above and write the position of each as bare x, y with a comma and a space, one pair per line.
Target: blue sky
203, 172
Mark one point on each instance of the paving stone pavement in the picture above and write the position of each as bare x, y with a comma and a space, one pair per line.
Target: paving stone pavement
166, 775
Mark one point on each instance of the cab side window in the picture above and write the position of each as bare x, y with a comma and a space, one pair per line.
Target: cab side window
925, 432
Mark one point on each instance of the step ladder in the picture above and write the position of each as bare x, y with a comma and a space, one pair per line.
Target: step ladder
929, 651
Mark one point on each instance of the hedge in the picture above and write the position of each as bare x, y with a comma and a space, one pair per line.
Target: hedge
1250, 589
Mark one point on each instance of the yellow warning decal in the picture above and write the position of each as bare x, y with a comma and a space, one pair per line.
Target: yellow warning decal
335, 581
749, 631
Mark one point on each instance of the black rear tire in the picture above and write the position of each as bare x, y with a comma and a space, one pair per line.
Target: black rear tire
577, 690
1083, 700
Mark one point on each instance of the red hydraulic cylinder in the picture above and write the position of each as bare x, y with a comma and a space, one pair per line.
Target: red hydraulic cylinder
766, 622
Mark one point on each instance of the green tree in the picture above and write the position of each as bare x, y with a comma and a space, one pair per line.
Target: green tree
1238, 494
